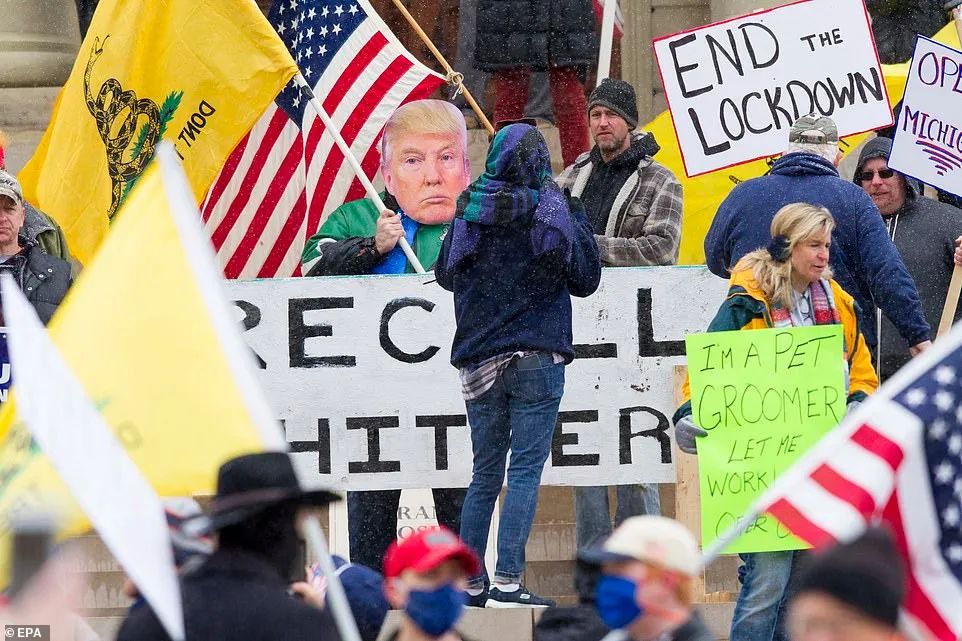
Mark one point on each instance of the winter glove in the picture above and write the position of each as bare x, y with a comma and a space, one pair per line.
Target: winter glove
852, 406
685, 433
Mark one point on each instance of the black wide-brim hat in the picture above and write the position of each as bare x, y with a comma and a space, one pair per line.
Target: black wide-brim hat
249, 484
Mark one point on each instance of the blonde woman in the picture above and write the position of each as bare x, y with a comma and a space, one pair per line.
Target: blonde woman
787, 284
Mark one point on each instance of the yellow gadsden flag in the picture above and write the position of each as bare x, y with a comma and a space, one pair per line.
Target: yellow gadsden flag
703, 194
195, 72
148, 333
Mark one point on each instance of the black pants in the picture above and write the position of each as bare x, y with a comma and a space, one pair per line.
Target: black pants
372, 520
85, 12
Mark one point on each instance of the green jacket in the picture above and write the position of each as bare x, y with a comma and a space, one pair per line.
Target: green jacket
344, 245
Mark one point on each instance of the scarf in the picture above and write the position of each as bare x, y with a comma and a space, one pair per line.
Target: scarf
515, 189
823, 307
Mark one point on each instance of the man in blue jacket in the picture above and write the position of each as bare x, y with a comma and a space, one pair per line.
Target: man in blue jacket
864, 259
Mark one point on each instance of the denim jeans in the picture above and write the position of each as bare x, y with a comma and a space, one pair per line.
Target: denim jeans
372, 520
760, 611
593, 515
518, 413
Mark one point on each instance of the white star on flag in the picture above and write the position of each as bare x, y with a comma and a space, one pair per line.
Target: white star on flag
915, 397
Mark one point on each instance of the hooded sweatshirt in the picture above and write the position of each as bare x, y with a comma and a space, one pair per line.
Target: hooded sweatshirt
924, 232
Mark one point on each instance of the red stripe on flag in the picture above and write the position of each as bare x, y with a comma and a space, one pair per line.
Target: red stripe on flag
852, 493
347, 79
916, 601
264, 212
285, 239
880, 445
250, 178
223, 178
385, 81
798, 523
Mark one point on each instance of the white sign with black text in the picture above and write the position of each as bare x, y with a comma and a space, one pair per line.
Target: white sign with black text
734, 88
358, 371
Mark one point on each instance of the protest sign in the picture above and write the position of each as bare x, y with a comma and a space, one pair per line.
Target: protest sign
764, 397
5, 378
928, 137
734, 88
358, 371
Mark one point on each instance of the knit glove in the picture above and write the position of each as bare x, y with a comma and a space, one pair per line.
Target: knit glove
852, 406
685, 433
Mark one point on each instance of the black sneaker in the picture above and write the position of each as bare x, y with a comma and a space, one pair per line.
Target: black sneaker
517, 599
476, 601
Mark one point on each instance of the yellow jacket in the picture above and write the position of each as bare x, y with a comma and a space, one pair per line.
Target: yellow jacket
747, 307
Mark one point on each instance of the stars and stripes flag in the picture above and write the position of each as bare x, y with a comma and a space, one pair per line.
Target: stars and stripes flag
896, 460
599, 6
287, 174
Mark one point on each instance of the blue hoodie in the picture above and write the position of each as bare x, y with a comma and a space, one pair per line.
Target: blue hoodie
864, 259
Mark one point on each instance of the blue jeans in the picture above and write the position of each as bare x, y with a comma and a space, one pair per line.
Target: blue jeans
593, 514
760, 612
518, 413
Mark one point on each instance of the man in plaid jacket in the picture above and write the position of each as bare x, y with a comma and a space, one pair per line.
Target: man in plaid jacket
634, 207
633, 203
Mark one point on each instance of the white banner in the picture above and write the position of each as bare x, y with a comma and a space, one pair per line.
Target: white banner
734, 88
358, 371
928, 138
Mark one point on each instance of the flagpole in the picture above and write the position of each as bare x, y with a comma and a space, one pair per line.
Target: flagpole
340, 608
331, 129
453, 76
607, 38
728, 537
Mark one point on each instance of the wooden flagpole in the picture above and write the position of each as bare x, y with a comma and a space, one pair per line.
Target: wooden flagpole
453, 76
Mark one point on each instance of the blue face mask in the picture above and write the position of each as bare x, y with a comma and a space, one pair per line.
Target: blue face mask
615, 601
435, 611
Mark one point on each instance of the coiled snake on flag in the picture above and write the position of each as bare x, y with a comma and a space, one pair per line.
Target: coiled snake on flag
112, 104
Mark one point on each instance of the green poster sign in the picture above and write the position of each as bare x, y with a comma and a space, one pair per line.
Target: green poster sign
764, 397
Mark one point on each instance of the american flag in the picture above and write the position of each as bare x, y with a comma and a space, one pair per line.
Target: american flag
287, 173
897, 460
599, 6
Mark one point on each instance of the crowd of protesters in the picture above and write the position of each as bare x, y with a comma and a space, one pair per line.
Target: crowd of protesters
800, 247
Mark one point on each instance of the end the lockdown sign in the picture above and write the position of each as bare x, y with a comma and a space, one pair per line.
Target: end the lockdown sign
764, 397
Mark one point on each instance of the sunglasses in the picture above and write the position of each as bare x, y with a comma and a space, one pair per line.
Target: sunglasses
884, 174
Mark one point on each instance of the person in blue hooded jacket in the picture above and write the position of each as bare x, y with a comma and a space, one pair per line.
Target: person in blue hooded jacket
864, 260
517, 252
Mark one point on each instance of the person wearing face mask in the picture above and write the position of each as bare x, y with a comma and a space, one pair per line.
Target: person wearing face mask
241, 591
425, 576
645, 591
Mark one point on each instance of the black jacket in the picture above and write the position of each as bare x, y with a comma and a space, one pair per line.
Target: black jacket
895, 23
538, 34
235, 596
44, 279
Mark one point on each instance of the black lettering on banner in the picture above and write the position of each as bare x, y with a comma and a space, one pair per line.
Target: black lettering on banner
441, 423
373, 425
710, 150
648, 347
601, 350
322, 446
298, 332
673, 47
252, 318
388, 345
660, 432
734, 59
560, 438
751, 47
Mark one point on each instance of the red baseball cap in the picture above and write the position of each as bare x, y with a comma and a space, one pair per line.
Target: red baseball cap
426, 550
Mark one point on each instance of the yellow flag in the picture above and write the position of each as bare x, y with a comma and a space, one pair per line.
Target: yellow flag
198, 73
703, 194
151, 338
